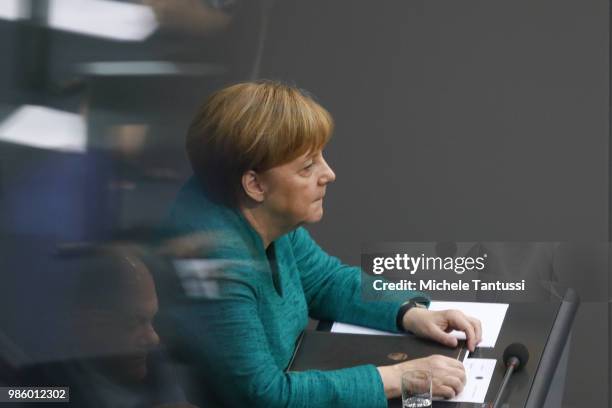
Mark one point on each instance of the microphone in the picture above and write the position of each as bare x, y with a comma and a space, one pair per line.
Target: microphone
516, 356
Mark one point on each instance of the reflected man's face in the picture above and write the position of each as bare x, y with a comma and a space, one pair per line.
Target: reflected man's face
120, 337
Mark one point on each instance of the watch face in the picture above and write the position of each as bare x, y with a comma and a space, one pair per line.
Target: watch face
397, 356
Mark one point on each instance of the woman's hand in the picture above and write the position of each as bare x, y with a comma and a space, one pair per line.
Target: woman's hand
436, 325
448, 375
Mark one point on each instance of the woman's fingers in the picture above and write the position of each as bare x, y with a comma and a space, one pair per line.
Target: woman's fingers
447, 373
456, 320
443, 391
478, 328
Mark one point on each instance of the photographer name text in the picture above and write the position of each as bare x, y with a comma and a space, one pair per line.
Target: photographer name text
444, 285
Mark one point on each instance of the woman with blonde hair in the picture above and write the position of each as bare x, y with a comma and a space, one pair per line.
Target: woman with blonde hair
256, 149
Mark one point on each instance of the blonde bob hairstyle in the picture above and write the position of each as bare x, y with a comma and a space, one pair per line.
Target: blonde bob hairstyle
252, 126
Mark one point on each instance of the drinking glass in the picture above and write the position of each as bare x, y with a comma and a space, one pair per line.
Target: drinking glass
416, 388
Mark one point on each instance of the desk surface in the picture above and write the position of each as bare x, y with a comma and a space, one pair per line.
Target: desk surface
527, 323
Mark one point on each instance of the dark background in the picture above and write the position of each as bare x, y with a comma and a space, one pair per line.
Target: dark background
465, 121
455, 121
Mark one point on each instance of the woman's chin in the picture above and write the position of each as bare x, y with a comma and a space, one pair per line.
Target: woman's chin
315, 216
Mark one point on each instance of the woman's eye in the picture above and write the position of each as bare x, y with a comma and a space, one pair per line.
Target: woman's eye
309, 166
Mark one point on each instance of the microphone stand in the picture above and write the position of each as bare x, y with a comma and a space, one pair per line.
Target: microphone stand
511, 365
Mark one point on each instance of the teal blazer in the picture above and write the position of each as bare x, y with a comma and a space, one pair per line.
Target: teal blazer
238, 323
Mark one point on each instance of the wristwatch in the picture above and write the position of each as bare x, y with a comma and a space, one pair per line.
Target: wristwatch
419, 302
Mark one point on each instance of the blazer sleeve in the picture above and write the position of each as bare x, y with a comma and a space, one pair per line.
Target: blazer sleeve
335, 291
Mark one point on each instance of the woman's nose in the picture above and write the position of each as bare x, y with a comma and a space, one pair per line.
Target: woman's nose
328, 174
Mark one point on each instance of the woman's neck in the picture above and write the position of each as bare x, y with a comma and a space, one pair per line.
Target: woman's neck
266, 226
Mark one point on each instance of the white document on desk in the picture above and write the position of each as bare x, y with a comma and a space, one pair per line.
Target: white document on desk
352, 329
491, 316
479, 372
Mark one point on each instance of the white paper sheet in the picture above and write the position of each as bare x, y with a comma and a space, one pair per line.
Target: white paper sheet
352, 329
479, 372
491, 315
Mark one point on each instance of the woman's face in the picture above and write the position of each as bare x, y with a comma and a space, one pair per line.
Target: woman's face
294, 191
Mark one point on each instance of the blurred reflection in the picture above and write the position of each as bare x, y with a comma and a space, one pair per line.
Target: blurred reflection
62, 131
11, 9
116, 360
192, 16
98, 96
104, 18
188, 272
115, 306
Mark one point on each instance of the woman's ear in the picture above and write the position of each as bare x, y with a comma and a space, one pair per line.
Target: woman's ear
252, 186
